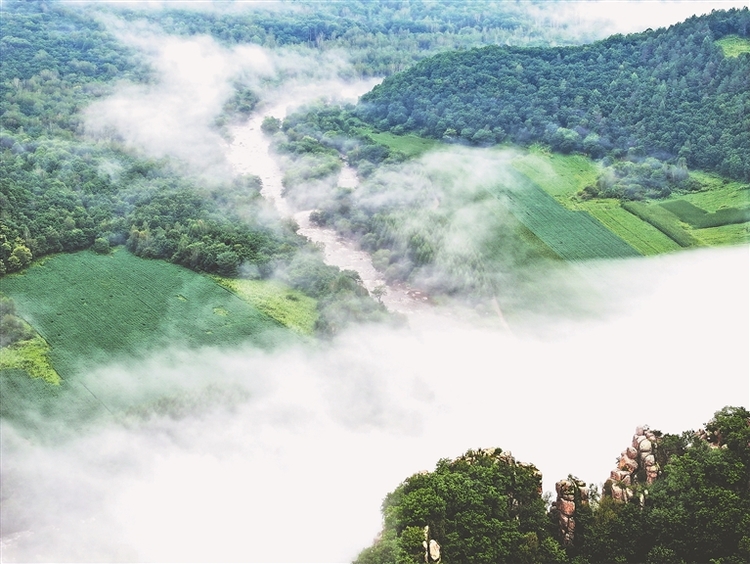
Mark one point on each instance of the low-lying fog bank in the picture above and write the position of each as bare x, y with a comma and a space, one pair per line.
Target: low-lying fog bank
286, 457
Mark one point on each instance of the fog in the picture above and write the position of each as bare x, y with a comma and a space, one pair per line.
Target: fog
285, 456
631, 16
174, 115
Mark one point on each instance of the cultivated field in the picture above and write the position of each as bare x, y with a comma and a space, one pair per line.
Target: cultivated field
92, 308
572, 235
717, 214
643, 237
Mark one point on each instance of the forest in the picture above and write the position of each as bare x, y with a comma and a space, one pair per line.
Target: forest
669, 93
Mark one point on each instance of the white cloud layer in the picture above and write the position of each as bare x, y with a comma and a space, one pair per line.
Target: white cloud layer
285, 457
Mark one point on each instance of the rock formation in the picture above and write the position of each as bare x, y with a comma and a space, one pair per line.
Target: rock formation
431, 547
635, 465
571, 495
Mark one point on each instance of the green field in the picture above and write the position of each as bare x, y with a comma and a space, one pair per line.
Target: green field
643, 237
698, 218
289, 307
572, 235
734, 45
409, 145
664, 220
561, 176
92, 308
692, 219
716, 193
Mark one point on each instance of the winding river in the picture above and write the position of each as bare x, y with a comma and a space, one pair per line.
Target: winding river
249, 153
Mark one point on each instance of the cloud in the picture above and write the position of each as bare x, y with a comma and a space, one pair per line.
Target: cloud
632, 16
285, 457
174, 114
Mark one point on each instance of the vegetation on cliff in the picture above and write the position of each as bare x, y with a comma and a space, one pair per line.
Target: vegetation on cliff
485, 507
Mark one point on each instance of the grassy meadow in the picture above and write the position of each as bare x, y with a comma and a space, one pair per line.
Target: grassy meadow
410, 146
734, 45
291, 308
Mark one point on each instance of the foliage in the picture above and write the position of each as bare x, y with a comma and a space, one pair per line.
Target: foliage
342, 298
59, 193
486, 507
482, 507
12, 327
651, 178
670, 92
697, 511
380, 37
270, 125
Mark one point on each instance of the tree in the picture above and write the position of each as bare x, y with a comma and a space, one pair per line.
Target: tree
482, 507
379, 291
270, 125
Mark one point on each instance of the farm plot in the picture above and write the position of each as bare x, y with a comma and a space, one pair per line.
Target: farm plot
664, 221
699, 218
91, 308
642, 236
572, 235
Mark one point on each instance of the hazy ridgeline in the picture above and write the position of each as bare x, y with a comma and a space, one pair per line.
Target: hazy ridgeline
114, 130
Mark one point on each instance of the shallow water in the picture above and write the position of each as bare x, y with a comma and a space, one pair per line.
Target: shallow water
249, 153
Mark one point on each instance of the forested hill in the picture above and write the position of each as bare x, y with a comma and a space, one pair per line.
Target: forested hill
672, 93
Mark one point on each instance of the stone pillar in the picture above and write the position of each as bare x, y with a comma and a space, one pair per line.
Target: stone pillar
636, 464
570, 493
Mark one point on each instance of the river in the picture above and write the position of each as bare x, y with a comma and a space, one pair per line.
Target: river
249, 152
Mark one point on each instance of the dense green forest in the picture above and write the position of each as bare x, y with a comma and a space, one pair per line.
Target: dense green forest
485, 507
671, 93
378, 37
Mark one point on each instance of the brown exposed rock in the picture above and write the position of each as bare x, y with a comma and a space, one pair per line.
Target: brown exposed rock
638, 458
567, 507
571, 495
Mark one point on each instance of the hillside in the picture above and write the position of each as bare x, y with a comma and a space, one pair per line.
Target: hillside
672, 93
691, 504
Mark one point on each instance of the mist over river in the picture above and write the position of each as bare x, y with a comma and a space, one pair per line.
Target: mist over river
249, 152
286, 456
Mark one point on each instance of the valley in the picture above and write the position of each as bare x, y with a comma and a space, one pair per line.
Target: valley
263, 263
